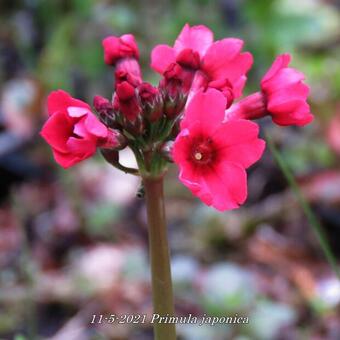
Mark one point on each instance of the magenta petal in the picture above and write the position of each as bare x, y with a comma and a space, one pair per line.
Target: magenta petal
207, 108
182, 147
235, 68
295, 113
283, 78
238, 142
227, 185
83, 148
197, 38
89, 124
280, 62
76, 111
291, 92
238, 86
80, 130
161, 57
196, 184
94, 126
219, 54
60, 100
245, 154
287, 106
66, 160
235, 132
57, 130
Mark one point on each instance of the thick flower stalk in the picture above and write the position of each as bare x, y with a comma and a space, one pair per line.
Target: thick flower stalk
190, 119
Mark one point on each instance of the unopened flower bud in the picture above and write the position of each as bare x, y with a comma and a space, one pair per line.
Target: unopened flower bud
126, 101
151, 101
174, 106
116, 48
125, 91
105, 111
174, 87
101, 104
135, 127
126, 73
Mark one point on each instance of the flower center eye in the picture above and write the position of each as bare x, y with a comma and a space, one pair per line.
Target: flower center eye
203, 151
198, 156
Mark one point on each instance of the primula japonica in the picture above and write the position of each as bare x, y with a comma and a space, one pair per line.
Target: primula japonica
148, 118
191, 118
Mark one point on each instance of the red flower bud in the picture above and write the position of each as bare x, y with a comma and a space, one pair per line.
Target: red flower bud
117, 48
100, 103
175, 87
151, 100
126, 101
105, 111
128, 69
125, 90
147, 92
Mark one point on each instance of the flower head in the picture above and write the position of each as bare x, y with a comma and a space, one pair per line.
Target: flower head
73, 131
220, 61
212, 155
286, 94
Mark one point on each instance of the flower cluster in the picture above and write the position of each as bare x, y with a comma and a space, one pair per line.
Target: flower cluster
190, 118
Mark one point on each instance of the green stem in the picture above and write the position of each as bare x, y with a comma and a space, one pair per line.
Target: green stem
162, 294
312, 218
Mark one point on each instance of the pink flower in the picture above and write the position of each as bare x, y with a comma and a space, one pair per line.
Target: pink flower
212, 155
220, 60
286, 94
116, 48
72, 130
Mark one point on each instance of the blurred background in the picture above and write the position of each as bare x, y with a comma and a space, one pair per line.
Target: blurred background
74, 243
